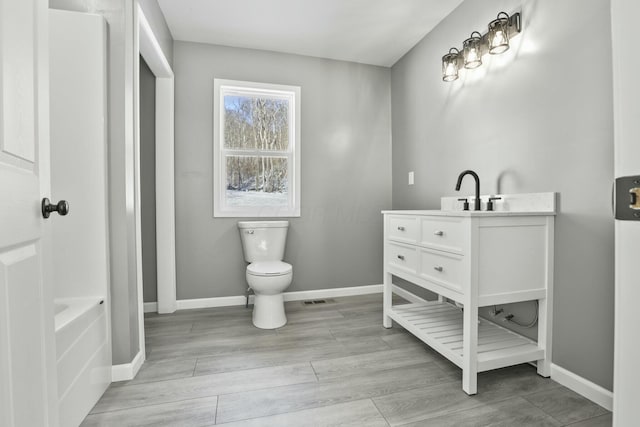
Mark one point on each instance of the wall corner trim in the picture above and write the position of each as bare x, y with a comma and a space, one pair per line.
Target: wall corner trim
582, 386
127, 371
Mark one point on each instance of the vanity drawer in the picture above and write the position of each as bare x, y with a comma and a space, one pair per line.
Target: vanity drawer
402, 257
448, 234
442, 267
403, 228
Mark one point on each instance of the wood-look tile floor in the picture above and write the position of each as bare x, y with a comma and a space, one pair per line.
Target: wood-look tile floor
332, 364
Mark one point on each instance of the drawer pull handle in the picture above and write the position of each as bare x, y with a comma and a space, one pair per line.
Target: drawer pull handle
438, 233
401, 228
401, 257
438, 269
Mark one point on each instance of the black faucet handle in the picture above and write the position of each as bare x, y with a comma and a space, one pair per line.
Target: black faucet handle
465, 206
490, 202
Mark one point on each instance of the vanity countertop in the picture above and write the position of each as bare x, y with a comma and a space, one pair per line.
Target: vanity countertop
528, 204
467, 213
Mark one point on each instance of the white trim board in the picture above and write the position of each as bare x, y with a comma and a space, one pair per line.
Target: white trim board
409, 296
150, 307
333, 293
127, 371
149, 48
288, 296
187, 304
582, 386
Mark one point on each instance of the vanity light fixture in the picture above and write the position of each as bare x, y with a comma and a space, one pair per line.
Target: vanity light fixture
499, 34
472, 51
494, 42
450, 65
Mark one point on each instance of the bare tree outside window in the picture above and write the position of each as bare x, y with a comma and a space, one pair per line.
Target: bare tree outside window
256, 124
256, 149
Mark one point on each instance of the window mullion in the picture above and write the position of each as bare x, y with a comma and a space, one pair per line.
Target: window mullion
255, 153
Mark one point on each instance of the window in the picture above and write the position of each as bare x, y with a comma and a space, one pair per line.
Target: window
256, 137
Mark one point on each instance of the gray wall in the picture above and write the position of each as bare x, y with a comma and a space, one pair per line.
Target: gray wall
148, 180
346, 171
536, 119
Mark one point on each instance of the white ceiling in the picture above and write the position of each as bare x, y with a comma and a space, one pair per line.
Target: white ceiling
377, 32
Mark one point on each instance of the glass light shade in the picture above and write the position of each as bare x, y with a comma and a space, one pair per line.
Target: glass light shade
450, 65
471, 51
499, 34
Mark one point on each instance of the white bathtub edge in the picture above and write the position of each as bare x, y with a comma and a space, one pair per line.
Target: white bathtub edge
127, 371
76, 307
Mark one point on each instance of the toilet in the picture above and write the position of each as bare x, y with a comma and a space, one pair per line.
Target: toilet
263, 244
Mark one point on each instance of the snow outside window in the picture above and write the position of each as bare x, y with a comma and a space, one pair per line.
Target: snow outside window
256, 137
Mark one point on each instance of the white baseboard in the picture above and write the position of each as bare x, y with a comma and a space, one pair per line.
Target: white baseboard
409, 296
332, 293
150, 307
127, 371
186, 304
582, 386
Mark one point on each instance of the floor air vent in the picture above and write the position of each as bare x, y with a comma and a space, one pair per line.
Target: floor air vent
317, 301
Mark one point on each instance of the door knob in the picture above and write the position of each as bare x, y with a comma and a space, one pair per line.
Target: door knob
62, 207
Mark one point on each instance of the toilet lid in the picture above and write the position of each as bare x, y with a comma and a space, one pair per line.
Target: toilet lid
269, 268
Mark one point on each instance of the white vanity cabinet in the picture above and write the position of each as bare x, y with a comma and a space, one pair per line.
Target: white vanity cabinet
475, 259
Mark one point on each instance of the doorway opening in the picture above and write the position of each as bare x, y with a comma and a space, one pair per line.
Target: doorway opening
162, 187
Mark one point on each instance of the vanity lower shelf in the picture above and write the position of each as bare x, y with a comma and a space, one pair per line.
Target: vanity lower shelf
440, 325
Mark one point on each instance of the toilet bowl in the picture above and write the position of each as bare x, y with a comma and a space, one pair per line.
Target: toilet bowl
269, 279
263, 244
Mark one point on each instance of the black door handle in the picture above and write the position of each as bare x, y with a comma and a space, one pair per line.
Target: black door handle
62, 207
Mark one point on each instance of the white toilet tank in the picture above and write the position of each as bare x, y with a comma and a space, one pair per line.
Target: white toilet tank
263, 240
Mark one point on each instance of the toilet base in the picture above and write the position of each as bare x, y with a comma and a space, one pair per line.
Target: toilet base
268, 311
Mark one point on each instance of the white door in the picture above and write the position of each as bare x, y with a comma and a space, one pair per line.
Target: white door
626, 101
26, 311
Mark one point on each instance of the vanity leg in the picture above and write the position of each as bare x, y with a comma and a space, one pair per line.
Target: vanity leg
386, 300
470, 349
544, 338
545, 308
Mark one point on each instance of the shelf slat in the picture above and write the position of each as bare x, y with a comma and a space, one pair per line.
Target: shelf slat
440, 325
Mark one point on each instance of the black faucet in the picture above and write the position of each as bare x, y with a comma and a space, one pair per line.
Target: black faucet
476, 205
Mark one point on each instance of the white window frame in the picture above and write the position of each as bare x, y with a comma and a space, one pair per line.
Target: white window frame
222, 87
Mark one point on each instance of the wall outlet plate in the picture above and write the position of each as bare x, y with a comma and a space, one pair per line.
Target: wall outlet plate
627, 198
411, 176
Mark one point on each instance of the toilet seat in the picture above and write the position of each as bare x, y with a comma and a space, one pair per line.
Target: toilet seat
269, 268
